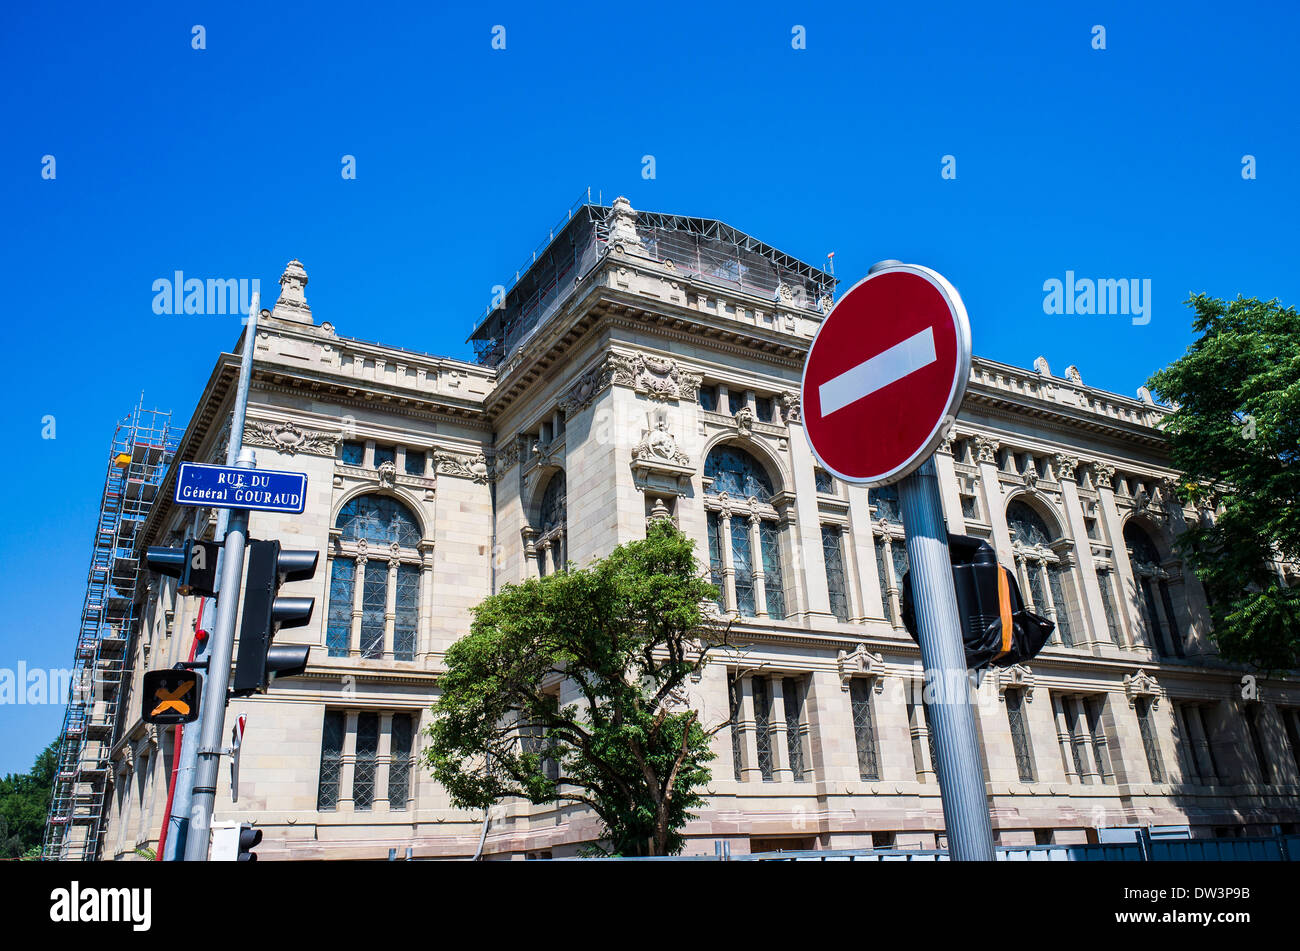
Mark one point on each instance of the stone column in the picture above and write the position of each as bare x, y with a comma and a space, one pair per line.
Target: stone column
750, 771
358, 587
864, 549
347, 771
781, 771
758, 574
1092, 610
812, 561
728, 566
1064, 740
383, 762
390, 607
994, 502
1130, 613
948, 490
424, 639
1200, 743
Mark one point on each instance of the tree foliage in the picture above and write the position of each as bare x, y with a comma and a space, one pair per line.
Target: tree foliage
25, 805
626, 632
1235, 432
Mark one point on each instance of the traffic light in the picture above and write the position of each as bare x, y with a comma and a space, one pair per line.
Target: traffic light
261, 661
995, 627
194, 565
170, 696
248, 840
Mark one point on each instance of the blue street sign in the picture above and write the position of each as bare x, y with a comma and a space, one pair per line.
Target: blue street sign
223, 487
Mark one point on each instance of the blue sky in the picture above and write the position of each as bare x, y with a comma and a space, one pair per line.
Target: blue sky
225, 162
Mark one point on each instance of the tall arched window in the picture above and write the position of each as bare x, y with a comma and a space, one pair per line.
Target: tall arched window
1042, 563
1154, 599
375, 567
891, 548
744, 534
551, 543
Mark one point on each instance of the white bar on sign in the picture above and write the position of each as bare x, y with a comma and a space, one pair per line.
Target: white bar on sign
887, 367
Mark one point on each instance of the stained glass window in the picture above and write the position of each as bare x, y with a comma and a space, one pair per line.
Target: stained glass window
331, 760
399, 761
1058, 581
338, 625
1150, 743
1019, 735
1026, 525
374, 603
864, 731
742, 561
367, 761
738, 474
715, 558
1034, 570
763, 727
884, 501
792, 693
408, 612
354, 453
769, 535
833, 556
380, 520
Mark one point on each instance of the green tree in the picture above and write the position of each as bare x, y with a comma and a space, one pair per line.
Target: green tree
1235, 432
627, 631
25, 805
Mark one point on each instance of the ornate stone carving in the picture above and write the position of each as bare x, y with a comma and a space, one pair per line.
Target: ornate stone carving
825, 303
945, 445
506, 458
658, 513
658, 377
1141, 684
290, 439
1065, 466
588, 386
745, 420
466, 467
1105, 474
861, 663
387, 474
292, 304
622, 227
660, 444
1016, 677
790, 408
1041, 367
1072, 374
986, 449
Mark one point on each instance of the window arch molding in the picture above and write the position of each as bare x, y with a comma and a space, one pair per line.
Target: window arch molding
1045, 563
546, 536
759, 449
376, 609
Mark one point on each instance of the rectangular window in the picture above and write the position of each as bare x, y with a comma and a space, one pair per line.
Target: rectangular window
763, 727
742, 561
399, 761
1015, 700
864, 732
1059, 582
331, 761
792, 692
354, 453
338, 625
415, 462
374, 604
824, 481
735, 401
408, 612
716, 576
1150, 742
709, 398
763, 408
832, 553
1095, 707
384, 454
1253, 713
367, 761
769, 536
968, 507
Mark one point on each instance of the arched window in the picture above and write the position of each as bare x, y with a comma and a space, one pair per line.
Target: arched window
891, 548
551, 544
1158, 617
374, 580
745, 534
1045, 577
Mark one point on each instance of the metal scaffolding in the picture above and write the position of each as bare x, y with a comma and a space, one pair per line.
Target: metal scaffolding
141, 451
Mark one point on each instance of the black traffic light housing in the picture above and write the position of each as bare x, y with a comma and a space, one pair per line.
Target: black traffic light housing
248, 840
170, 696
194, 566
261, 661
995, 627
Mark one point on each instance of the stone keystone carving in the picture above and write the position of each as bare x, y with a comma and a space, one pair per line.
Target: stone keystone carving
290, 439
1141, 684
861, 663
660, 444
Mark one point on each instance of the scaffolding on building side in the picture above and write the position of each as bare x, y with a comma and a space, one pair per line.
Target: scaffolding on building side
141, 451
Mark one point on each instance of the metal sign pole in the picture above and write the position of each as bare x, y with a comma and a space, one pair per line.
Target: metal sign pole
952, 719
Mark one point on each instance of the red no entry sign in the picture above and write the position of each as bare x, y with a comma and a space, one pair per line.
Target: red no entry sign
886, 374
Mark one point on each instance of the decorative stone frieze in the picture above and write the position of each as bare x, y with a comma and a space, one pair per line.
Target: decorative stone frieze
790, 408
463, 466
1018, 676
1105, 474
659, 378
986, 449
1065, 466
588, 387
861, 662
290, 439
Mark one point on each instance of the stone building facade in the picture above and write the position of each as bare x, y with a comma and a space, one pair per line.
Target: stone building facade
647, 366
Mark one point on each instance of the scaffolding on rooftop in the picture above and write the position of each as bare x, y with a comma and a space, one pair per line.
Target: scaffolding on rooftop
140, 453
